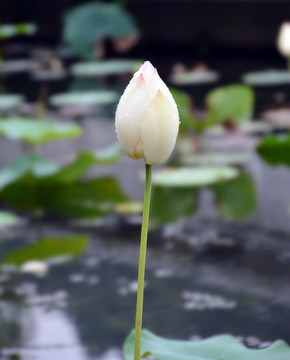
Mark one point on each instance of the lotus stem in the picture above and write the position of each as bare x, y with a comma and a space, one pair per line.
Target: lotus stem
142, 261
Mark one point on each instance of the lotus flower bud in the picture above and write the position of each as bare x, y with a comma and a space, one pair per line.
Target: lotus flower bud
147, 118
284, 39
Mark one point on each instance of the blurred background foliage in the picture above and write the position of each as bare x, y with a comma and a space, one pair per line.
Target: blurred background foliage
210, 107
69, 197
87, 26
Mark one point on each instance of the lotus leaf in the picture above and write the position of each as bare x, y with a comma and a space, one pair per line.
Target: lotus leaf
91, 98
275, 150
193, 177
48, 248
222, 347
267, 78
35, 131
106, 67
88, 24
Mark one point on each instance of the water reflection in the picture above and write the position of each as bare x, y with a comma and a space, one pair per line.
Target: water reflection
83, 309
47, 334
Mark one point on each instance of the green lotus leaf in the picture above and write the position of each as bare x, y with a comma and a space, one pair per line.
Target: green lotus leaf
58, 197
222, 347
26, 29
7, 219
35, 131
105, 67
231, 103
10, 101
275, 150
48, 248
193, 177
267, 78
35, 184
237, 198
90, 98
234, 103
109, 154
27, 165
88, 24
84, 161
10, 30
34, 167
7, 31
172, 203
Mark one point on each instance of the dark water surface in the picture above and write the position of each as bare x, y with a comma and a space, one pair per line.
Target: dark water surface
85, 308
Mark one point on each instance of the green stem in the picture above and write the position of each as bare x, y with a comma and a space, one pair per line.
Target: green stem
142, 261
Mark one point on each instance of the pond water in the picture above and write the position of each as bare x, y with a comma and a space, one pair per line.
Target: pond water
83, 309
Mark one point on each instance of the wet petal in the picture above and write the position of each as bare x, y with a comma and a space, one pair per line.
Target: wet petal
158, 130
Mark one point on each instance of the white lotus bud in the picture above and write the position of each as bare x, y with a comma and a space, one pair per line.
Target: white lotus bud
284, 39
147, 118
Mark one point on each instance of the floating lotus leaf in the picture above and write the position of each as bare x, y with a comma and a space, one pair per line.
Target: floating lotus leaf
48, 74
221, 159
83, 161
46, 170
267, 78
108, 155
7, 31
78, 199
26, 29
88, 24
194, 77
35, 131
193, 177
17, 66
27, 164
275, 150
37, 185
10, 30
48, 248
222, 347
7, 219
90, 98
10, 101
107, 67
